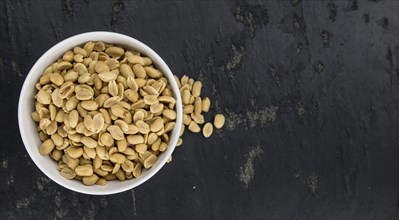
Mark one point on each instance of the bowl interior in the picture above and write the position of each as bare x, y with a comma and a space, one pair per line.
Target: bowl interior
27, 126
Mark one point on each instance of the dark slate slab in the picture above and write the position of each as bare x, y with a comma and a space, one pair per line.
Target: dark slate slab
309, 89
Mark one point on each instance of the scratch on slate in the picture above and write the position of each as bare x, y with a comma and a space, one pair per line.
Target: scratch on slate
10, 25
134, 203
247, 170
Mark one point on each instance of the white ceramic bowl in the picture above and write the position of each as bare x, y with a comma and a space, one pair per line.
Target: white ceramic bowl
27, 126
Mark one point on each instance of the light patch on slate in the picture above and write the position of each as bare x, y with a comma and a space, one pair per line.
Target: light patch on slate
57, 199
247, 171
253, 101
238, 54
26, 202
263, 116
252, 119
23, 203
59, 211
212, 87
10, 180
15, 68
313, 183
39, 186
232, 120
247, 19
42, 182
4, 164
103, 202
301, 109
91, 213
216, 106
201, 77
74, 199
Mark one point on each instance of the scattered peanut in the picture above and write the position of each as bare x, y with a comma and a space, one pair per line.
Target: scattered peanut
193, 108
207, 130
219, 121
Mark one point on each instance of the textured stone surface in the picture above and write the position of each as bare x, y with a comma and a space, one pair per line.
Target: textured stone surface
309, 90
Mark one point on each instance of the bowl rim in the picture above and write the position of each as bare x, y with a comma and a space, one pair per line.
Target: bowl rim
110, 37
